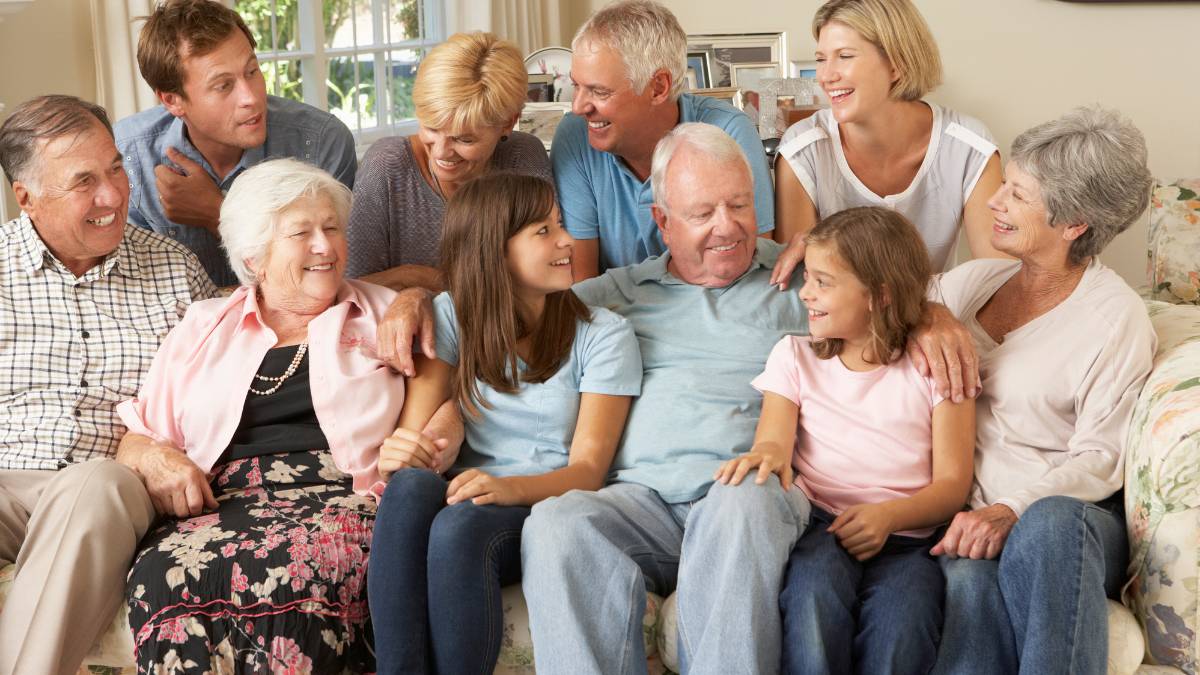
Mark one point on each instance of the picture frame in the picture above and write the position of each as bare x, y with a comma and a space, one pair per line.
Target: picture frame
542, 119
689, 80
724, 50
806, 69
699, 61
540, 88
748, 76
731, 95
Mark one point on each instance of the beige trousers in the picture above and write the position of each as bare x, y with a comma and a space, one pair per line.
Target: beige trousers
73, 534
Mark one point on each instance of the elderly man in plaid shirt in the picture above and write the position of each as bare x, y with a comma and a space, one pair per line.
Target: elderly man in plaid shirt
84, 303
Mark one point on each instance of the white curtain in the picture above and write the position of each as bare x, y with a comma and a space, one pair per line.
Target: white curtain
532, 24
119, 85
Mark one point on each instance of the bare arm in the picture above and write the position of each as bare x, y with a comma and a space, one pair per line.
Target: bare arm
597, 432
795, 216
408, 447
585, 262
408, 276
176, 484
774, 439
977, 217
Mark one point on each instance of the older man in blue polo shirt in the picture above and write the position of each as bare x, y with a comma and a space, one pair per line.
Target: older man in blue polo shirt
628, 67
215, 121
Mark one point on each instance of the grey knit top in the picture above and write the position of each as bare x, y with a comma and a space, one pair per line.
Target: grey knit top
396, 218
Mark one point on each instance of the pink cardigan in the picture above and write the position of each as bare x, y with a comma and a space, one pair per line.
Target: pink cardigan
193, 396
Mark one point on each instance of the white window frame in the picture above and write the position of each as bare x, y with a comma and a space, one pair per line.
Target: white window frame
314, 59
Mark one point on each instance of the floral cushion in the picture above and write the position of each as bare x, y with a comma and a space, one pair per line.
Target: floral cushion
1162, 492
1174, 244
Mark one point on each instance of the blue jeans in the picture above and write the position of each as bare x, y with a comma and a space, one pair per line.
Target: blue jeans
590, 558
883, 615
1039, 607
435, 576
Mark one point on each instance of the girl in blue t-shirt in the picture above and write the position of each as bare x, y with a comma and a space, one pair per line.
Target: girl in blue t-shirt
543, 384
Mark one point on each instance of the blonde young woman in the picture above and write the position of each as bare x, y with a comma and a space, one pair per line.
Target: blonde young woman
468, 93
879, 143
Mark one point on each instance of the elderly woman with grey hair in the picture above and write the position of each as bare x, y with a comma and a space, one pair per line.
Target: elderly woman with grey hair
1064, 347
276, 405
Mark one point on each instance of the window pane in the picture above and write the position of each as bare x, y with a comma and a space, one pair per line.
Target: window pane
348, 23
281, 35
352, 100
402, 70
404, 19
283, 79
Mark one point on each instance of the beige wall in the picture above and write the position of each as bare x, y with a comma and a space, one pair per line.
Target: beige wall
1014, 63
46, 49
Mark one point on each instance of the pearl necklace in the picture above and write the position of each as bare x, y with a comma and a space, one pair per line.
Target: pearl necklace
286, 374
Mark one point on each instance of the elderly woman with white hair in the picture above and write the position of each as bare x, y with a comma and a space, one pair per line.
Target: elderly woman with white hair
1064, 347
275, 404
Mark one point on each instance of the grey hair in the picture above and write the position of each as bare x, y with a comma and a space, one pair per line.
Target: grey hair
1090, 165
251, 209
706, 138
646, 35
44, 118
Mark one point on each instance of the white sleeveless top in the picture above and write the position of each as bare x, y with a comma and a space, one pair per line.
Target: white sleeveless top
958, 151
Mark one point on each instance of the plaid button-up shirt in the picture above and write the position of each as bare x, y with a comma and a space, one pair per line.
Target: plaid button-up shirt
72, 348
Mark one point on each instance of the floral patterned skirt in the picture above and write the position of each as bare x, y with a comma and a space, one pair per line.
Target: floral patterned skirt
273, 581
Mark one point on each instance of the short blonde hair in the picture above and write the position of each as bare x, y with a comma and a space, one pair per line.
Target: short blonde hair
899, 31
646, 35
251, 209
471, 80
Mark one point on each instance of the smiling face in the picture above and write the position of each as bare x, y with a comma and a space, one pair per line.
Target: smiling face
1021, 226
839, 305
539, 258
459, 157
225, 98
854, 73
616, 114
708, 221
82, 198
306, 257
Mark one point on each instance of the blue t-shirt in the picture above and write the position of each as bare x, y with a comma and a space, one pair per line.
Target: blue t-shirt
530, 432
601, 198
294, 130
701, 347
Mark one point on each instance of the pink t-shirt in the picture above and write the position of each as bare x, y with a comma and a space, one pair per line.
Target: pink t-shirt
863, 437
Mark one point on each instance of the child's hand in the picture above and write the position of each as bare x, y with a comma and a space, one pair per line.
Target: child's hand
862, 529
482, 488
766, 457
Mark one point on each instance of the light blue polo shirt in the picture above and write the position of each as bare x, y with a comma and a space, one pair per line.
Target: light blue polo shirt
294, 130
701, 347
530, 432
601, 199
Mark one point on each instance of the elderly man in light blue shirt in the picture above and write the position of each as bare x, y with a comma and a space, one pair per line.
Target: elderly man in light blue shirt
215, 121
706, 318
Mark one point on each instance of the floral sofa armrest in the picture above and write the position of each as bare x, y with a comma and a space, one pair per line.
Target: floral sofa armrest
1174, 242
1162, 493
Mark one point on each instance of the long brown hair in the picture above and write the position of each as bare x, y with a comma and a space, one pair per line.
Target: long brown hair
480, 219
886, 253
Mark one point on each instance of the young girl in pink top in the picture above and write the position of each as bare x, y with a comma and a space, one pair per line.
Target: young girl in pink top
883, 459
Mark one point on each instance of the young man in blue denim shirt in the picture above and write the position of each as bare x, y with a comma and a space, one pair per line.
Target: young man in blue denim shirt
215, 121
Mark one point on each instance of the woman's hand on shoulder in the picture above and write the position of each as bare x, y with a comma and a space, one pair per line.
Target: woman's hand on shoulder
409, 318
483, 488
942, 348
407, 449
767, 458
978, 534
863, 529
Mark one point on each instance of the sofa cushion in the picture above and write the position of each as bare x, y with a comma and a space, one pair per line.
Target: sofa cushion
1174, 242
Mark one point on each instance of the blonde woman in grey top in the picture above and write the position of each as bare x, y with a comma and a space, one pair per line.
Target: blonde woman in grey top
468, 93
879, 144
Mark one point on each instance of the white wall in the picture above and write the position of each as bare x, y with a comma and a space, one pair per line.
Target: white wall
46, 49
1015, 63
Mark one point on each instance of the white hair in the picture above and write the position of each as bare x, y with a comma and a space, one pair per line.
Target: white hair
1090, 165
646, 35
710, 140
252, 207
